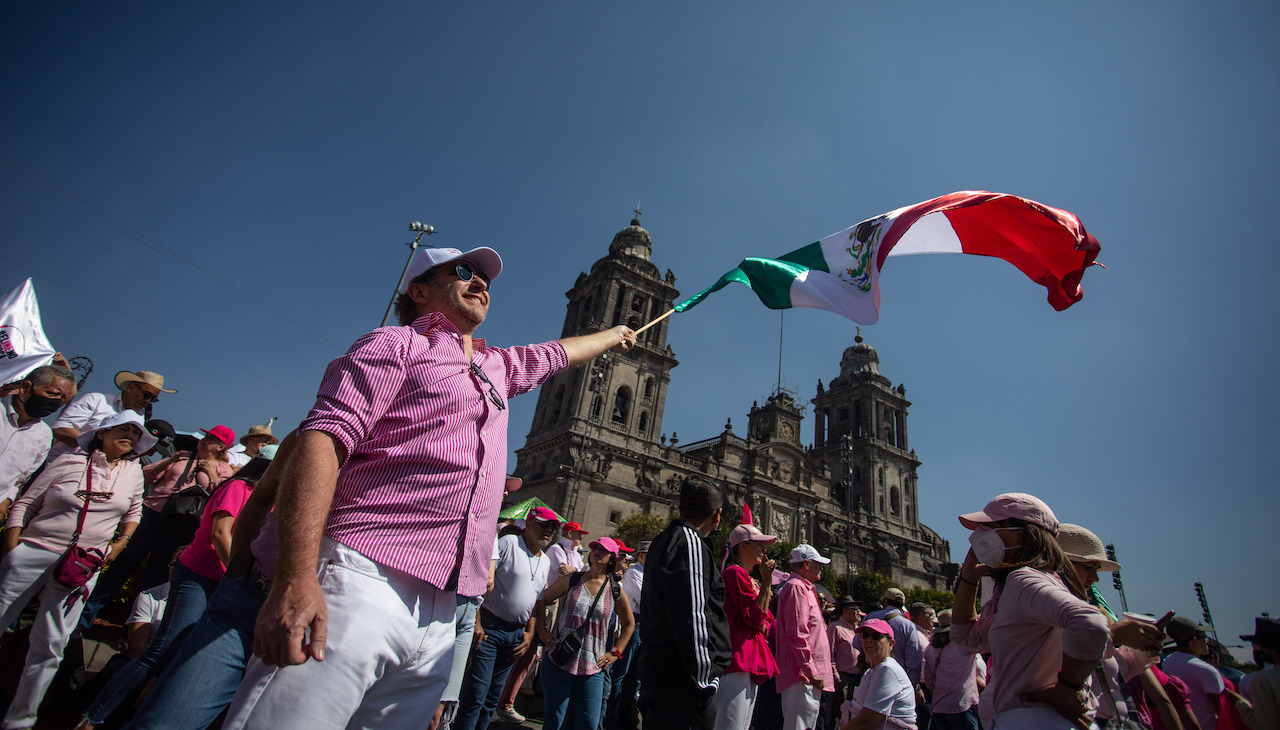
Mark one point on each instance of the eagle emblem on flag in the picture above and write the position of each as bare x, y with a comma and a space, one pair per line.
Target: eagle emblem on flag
865, 239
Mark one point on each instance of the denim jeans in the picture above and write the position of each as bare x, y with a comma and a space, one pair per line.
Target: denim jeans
571, 701
153, 537
626, 684
188, 595
464, 628
490, 664
203, 676
961, 721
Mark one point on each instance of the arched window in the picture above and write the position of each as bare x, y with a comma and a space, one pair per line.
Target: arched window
882, 504
644, 422
648, 388
882, 478
597, 403
895, 501
621, 405
557, 402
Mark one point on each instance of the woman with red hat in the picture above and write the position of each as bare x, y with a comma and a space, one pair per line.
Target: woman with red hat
746, 606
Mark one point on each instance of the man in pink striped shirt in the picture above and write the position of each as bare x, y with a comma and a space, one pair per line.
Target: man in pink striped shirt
387, 507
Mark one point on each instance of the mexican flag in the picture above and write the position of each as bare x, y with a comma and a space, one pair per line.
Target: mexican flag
841, 273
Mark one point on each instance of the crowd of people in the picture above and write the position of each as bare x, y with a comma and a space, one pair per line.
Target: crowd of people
356, 574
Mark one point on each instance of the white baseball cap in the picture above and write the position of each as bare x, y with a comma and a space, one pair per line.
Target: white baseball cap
805, 551
485, 258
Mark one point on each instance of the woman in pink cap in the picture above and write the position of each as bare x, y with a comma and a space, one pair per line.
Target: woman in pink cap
1045, 639
884, 698
746, 605
573, 687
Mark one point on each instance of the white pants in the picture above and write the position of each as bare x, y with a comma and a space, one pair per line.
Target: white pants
800, 703
386, 661
735, 700
25, 571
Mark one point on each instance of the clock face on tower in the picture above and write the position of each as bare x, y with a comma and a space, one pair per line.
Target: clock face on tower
786, 431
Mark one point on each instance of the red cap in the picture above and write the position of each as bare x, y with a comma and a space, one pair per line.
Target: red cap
623, 546
222, 433
571, 526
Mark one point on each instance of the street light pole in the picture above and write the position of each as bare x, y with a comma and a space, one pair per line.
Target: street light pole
423, 230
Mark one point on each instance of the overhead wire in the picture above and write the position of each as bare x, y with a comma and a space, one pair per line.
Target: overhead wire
156, 245
123, 313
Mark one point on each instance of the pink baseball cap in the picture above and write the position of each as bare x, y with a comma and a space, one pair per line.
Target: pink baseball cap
543, 514
1013, 506
745, 533
608, 544
878, 625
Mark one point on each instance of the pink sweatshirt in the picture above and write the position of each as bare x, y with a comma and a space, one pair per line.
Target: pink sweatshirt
51, 506
748, 625
1028, 627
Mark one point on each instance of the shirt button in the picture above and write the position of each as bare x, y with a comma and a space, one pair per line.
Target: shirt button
482, 472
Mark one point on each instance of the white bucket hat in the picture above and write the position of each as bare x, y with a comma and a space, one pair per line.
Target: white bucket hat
144, 444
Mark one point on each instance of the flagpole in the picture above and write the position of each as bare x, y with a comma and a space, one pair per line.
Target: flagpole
656, 320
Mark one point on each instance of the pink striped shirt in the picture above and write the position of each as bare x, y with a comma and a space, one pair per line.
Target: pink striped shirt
426, 447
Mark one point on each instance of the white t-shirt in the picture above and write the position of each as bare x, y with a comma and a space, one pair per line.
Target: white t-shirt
563, 553
148, 607
1203, 680
84, 414
518, 582
886, 690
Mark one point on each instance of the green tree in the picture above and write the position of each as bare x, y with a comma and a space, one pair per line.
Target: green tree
867, 586
640, 527
940, 600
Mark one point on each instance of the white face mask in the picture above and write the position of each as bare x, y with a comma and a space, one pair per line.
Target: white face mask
987, 546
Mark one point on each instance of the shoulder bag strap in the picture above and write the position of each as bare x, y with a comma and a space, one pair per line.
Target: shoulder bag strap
88, 495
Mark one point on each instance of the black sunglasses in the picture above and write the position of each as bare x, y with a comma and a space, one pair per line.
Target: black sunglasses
465, 273
493, 392
147, 394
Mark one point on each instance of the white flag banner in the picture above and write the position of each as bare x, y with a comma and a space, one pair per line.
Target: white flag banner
23, 346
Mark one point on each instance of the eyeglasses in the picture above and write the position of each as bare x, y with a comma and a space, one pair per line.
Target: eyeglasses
493, 392
148, 395
465, 273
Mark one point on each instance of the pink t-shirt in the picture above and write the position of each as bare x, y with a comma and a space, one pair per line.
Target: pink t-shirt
845, 656
1028, 626
747, 625
200, 556
952, 674
49, 510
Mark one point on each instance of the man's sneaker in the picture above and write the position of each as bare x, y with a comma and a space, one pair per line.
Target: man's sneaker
508, 714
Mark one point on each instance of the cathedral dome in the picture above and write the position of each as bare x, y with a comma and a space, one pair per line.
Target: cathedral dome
861, 359
632, 241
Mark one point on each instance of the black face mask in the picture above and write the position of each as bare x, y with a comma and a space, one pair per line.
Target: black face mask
38, 406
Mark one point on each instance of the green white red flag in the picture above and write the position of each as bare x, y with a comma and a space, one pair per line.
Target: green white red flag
841, 273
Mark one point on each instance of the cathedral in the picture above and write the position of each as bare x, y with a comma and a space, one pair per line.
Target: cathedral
595, 453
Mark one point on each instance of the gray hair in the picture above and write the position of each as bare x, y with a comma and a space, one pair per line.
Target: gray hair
48, 373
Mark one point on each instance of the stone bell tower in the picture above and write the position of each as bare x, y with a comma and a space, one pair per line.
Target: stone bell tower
596, 428
860, 429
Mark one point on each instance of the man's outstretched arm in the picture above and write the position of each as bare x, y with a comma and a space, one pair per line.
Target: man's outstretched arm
582, 348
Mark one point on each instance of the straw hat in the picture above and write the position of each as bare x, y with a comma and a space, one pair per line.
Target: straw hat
1082, 546
260, 431
155, 380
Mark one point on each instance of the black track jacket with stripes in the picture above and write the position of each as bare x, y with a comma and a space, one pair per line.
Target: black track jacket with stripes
683, 630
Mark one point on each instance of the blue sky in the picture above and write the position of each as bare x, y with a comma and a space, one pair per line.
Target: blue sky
221, 193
